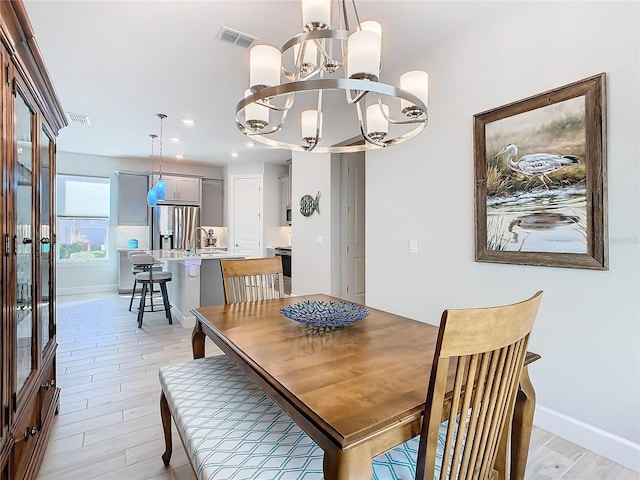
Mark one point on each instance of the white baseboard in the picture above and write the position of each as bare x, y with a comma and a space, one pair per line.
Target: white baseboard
186, 321
608, 445
87, 290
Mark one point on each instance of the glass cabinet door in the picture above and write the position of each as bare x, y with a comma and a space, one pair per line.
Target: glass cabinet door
46, 260
23, 238
4, 377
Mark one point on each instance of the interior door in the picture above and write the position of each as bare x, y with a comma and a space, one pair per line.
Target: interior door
353, 237
247, 215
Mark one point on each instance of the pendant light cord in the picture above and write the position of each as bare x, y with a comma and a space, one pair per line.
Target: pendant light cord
153, 137
162, 117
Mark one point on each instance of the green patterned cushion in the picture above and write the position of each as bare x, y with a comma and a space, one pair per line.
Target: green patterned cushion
399, 463
231, 429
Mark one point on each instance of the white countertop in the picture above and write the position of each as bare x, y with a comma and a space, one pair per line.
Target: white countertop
204, 254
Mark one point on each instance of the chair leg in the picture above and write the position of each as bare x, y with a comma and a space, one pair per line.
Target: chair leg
165, 299
133, 292
141, 307
151, 287
165, 413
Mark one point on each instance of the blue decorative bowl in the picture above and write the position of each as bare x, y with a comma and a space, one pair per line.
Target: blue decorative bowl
323, 315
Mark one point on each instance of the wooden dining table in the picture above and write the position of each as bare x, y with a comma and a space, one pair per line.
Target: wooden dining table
357, 391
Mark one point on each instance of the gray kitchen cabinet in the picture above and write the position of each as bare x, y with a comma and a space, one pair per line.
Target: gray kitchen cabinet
132, 199
212, 202
125, 274
180, 189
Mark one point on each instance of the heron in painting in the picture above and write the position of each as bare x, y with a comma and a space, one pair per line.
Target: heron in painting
537, 164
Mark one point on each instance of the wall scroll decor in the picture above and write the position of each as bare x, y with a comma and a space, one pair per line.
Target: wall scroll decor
308, 204
540, 179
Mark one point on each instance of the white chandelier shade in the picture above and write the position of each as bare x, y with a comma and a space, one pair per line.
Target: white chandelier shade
416, 82
329, 76
316, 14
364, 47
311, 126
256, 115
264, 61
377, 123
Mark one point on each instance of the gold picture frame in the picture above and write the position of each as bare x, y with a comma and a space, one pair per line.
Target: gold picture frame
540, 171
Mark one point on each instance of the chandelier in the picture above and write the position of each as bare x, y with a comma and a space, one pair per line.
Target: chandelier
159, 192
331, 76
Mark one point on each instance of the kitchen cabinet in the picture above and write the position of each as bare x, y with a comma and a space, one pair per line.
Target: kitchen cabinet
180, 189
132, 199
31, 118
125, 275
212, 203
285, 199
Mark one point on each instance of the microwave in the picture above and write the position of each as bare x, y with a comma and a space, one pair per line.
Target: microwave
288, 216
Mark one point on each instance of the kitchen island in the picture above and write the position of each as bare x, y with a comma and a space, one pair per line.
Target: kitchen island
196, 280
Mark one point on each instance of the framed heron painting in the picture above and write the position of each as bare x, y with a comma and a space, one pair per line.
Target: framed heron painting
540, 179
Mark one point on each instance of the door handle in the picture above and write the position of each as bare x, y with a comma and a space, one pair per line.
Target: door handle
26, 240
45, 241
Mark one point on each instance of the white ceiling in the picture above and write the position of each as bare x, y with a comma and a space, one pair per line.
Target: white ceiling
121, 62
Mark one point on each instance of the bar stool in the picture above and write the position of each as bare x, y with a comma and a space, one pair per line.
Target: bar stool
148, 279
139, 268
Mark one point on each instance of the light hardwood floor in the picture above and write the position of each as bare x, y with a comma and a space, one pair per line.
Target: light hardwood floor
109, 422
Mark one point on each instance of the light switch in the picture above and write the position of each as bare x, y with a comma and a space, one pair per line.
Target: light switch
319, 240
413, 246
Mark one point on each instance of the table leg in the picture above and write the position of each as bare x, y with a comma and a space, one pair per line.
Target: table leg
197, 340
522, 425
352, 464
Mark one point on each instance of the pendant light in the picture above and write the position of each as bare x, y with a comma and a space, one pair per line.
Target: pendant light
152, 195
161, 188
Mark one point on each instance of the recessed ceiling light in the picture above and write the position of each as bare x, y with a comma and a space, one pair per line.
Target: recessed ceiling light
179, 157
188, 122
234, 155
251, 144
175, 140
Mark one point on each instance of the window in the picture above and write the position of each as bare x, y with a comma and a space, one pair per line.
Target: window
83, 217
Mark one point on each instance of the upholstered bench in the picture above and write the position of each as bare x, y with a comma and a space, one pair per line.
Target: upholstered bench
231, 430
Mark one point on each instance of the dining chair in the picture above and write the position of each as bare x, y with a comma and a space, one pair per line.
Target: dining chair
252, 279
484, 348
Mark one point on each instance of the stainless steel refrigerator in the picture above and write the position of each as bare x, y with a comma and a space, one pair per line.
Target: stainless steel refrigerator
173, 226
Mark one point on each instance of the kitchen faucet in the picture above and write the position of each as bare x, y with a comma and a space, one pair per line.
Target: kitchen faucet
194, 237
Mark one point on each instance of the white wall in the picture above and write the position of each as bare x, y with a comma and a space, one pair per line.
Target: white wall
587, 331
102, 276
311, 263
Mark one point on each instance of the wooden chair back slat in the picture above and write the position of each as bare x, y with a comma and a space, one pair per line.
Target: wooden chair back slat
252, 279
481, 351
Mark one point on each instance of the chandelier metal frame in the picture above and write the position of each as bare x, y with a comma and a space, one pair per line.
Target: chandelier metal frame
301, 80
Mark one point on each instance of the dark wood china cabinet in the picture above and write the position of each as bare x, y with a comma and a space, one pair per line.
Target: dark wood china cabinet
30, 118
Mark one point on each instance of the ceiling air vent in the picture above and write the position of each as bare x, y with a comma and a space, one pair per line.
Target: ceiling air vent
235, 37
78, 118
